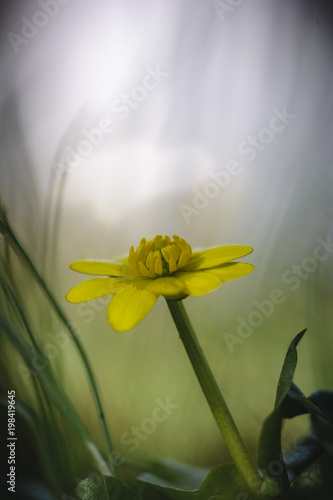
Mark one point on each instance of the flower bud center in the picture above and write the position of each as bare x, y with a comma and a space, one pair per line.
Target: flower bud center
159, 257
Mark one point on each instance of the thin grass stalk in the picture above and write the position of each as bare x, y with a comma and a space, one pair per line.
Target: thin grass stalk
23, 256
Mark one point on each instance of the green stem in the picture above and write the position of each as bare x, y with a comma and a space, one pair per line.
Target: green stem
93, 385
220, 411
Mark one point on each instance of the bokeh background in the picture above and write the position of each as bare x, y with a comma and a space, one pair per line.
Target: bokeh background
222, 70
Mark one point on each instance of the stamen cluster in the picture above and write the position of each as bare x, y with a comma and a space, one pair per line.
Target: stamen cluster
159, 257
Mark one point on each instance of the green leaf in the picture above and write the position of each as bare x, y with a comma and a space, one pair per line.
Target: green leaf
270, 458
166, 472
222, 483
288, 369
153, 491
97, 487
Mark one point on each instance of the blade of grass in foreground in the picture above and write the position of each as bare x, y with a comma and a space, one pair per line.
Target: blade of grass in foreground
40, 438
53, 388
15, 309
23, 256
47, 378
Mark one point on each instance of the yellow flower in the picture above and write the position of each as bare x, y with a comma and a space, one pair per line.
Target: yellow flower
157, 267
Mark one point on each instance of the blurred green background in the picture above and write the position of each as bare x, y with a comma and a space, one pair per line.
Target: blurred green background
228, 75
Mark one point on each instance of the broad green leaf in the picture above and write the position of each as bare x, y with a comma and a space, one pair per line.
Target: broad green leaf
221, 483
270, 458
97, 487
166, 472
153, 491
224, 483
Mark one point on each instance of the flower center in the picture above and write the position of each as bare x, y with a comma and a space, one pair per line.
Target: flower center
159, 257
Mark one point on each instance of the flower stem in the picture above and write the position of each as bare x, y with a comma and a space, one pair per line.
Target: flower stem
220, 411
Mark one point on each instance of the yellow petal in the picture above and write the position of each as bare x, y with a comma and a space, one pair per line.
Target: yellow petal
130, 305
212, 257
94, 289
169, 287
198, 282
99, 267
232, 271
